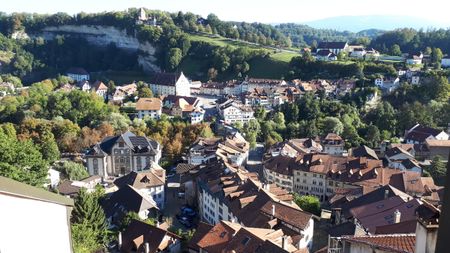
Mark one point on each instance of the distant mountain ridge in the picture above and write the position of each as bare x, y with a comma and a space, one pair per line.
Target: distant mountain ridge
374, 22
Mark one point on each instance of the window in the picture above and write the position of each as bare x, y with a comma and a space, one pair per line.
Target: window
245, 241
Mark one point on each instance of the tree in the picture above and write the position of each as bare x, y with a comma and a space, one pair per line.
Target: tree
212, 73
118, 121
174, 57
395, 50
332, 125
373, 136
72, 170
130, 216
88, 212
145, 92
438, 170
84, 238
436, 55
308, 203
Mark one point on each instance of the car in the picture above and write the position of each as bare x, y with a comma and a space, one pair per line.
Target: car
181, 195
170, 175
188, 212
185, 221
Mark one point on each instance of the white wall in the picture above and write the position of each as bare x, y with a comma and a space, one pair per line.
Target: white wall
33, 226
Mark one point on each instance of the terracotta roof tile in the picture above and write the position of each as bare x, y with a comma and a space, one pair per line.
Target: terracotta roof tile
401, 243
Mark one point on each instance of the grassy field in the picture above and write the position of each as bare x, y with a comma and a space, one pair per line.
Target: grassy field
221, 41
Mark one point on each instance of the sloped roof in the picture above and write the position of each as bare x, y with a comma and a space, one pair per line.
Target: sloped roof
130, 199
364, 151
399, 243
332, 45
168, 79
145, 179
148, 104
139, 144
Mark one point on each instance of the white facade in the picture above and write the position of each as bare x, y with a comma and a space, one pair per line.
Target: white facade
182, 87
233, 114
33, 224
197, 116
78, 77
156, 193
153, 114
415, 80
54, 177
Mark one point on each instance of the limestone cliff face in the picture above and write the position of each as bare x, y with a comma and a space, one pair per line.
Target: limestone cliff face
103, 36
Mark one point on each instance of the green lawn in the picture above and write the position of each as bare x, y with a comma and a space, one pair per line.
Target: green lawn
221, 41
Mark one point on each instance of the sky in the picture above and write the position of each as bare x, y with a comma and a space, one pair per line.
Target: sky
266, 11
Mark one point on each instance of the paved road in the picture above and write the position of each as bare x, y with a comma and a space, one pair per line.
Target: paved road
254, 163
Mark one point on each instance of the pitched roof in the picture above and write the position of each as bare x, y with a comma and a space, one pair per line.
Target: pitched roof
138, 144
346, 228
395, 151
99, 85
14, 188
420, 133
67, 188
148, 104
332, 45
144, 179
138, 233
202, 229
333, 136
399, 243
217, 238
364, 151
404, 227
168, 79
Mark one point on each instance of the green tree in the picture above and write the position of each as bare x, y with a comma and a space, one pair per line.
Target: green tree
332, 125
145, 92
72, 170
174, 57
87, 211
438, 170
308, 203
373, 136
84, 238
395, 50
436, 55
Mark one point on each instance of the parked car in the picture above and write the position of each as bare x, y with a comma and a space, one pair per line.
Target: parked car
185, 221
171, 174
181, 195
188, 212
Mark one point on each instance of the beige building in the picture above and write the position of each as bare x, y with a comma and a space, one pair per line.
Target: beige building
151, 107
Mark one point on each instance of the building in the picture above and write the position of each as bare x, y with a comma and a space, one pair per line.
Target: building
232, 112
121, 154
333, 144
387, 84
415, 59
100, 89
445, 62
170, 84
250, 84
149, 182
78, 74
294, 147
184, 107
71, 188
149, 107
123, 92
326, 55
42, 217
84, 86
225, 194
401, 159
233, 237
334, 47
203, 150
358, 53
418, 134
197, 115
142, 237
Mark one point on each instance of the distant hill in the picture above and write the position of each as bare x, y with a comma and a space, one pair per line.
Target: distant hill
378, 22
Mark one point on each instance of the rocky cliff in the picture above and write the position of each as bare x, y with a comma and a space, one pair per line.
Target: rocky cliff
103, 36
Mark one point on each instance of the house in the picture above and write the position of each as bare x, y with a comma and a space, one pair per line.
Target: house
415, 59
445, 62
149, 182
225, 194
121, 154
387, 84
364, 151
128, 199
42, 217
358, 53
418, 134
123, 92
251, 83
233, 237
170, 84
78, 74
53, 176
432, 148
84, 86
232, 112
333, 47
415, 80
184, 107
100, 89
149, 107
66, 88
293, 147
203, 150
372, 54
144, 238
71, 188
6, 88
401, 159
326, 55
333, 144
197, 115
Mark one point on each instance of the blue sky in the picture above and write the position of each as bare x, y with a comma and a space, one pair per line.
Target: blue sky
246, 10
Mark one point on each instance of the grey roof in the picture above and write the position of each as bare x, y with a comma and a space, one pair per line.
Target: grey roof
332, 45
12, 187
364, 151
139, 144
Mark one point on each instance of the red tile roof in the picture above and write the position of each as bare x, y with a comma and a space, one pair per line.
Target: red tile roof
400, 243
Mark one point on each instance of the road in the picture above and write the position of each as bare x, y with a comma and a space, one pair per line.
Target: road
254, 163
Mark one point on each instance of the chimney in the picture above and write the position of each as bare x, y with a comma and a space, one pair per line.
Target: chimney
284, 242
147, 247
273, 210
397, 216
386, 194
119, 240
